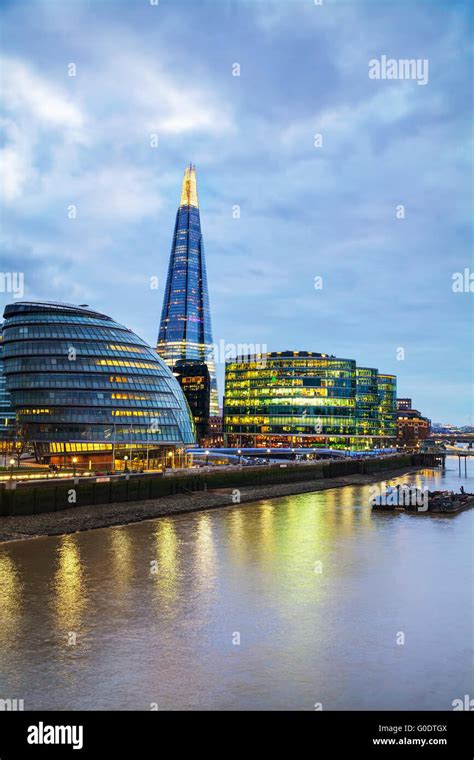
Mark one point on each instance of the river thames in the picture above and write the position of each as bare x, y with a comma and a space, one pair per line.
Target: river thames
298, 602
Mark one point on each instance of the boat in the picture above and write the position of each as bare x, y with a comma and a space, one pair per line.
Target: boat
447, 501
411, 499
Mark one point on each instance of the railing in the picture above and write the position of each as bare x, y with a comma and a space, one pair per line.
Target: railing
26, 498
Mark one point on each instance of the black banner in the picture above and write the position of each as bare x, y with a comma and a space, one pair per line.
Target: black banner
137, 734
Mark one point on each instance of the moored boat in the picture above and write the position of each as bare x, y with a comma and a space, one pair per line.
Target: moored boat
411, 499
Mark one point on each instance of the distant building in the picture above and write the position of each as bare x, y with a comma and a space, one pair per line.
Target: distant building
215, 434
387, 385
195, 380
367, 403
412, 427
88, 388
301, 398
403, 403
185, 329
445, 428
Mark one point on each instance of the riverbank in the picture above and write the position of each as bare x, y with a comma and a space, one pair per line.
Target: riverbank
66, 521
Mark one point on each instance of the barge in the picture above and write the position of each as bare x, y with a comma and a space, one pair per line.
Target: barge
402, 498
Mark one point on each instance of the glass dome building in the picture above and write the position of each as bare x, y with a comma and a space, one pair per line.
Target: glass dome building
7, 415
88, 389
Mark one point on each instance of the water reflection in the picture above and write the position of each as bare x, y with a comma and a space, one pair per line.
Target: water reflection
122, 559
205, 552
236, 530
316, 582
70, 598
266, 536
166, 576
11, 601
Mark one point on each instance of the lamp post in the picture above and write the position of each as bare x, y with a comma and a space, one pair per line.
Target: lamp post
12, 464
125, 459
74, 462
239, 452
207, 457
113, 447
268, 452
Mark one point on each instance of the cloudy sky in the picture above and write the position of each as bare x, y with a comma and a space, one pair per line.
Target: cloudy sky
329, 210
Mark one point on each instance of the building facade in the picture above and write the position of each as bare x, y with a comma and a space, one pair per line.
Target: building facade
185, 329
195, 381
412, 427
88, 389
403, 403
7, 414
387, 385
300, 398
215, 434
367, 403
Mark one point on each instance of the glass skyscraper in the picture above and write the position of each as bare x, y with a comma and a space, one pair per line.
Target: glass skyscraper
185, 328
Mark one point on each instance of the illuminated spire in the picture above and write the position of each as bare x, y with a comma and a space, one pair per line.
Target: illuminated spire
189, 195
185, 328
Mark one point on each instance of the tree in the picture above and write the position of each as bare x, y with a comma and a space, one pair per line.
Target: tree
22, 440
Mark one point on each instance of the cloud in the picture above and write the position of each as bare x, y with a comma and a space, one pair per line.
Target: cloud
85, 140
30, 96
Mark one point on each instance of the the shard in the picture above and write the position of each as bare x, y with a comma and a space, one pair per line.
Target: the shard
185, 328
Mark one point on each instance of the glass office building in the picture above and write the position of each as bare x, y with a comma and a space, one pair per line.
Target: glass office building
300, 398
387, 385
7, 415
367, 402
185, 328
89, 388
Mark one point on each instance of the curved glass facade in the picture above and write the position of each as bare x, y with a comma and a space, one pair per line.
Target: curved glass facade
83, 383
303, 398
7, 415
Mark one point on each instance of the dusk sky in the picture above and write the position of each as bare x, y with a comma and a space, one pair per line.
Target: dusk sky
306, 211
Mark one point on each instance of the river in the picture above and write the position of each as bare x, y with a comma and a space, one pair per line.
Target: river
302, 602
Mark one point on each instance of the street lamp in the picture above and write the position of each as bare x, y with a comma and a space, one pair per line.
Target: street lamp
125, 459
12, 464
268, 458
239, 452
207, 457
74, 461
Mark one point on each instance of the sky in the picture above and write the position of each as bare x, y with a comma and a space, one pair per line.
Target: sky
307, 168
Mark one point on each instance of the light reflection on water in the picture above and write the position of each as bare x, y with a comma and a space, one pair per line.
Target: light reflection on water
68, 596
306, 636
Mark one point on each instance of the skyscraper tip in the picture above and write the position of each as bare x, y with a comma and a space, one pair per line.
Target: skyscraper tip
189, 195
